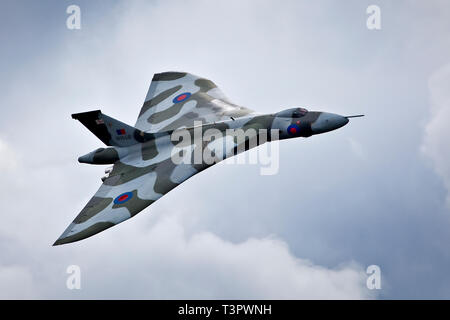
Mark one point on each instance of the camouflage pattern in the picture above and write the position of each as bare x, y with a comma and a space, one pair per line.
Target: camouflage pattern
177, 104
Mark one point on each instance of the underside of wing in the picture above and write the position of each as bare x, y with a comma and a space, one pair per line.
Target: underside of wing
177, 99
134, 183
111, 205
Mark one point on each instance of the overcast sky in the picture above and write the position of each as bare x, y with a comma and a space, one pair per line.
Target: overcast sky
373, 192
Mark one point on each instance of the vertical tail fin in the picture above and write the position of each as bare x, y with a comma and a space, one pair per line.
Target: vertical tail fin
111, 131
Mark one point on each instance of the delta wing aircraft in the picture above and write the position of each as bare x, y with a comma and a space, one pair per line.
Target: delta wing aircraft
177, 104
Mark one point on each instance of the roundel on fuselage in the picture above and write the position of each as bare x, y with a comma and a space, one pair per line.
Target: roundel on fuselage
293, 129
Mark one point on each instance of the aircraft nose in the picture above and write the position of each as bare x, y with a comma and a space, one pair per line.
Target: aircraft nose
327, 122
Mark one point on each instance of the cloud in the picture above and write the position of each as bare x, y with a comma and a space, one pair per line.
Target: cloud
8, 158
205, 266
437, 131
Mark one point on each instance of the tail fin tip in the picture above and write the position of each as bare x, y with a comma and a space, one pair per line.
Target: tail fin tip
88, 114
110, 131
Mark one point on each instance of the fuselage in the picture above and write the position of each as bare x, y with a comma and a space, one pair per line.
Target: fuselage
225, 138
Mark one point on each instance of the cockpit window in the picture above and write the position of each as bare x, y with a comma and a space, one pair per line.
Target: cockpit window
299, 112
292, 113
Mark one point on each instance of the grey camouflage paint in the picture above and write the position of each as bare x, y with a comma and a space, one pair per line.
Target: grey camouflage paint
143, 169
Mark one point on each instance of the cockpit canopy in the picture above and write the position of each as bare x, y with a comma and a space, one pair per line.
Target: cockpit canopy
292, 113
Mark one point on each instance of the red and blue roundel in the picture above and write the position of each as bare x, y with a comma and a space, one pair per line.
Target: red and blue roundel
124, 197
181, 97
293, 129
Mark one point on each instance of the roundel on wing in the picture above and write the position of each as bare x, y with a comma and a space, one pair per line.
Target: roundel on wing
124, 197
293, 129
181, 97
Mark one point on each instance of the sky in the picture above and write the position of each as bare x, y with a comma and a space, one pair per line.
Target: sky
375, 192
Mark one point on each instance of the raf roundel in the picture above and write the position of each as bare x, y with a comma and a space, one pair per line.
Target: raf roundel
181, 97
124, 197
293, 129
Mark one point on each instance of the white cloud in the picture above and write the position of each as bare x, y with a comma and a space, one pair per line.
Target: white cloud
436, 144
8, 158
164, 263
